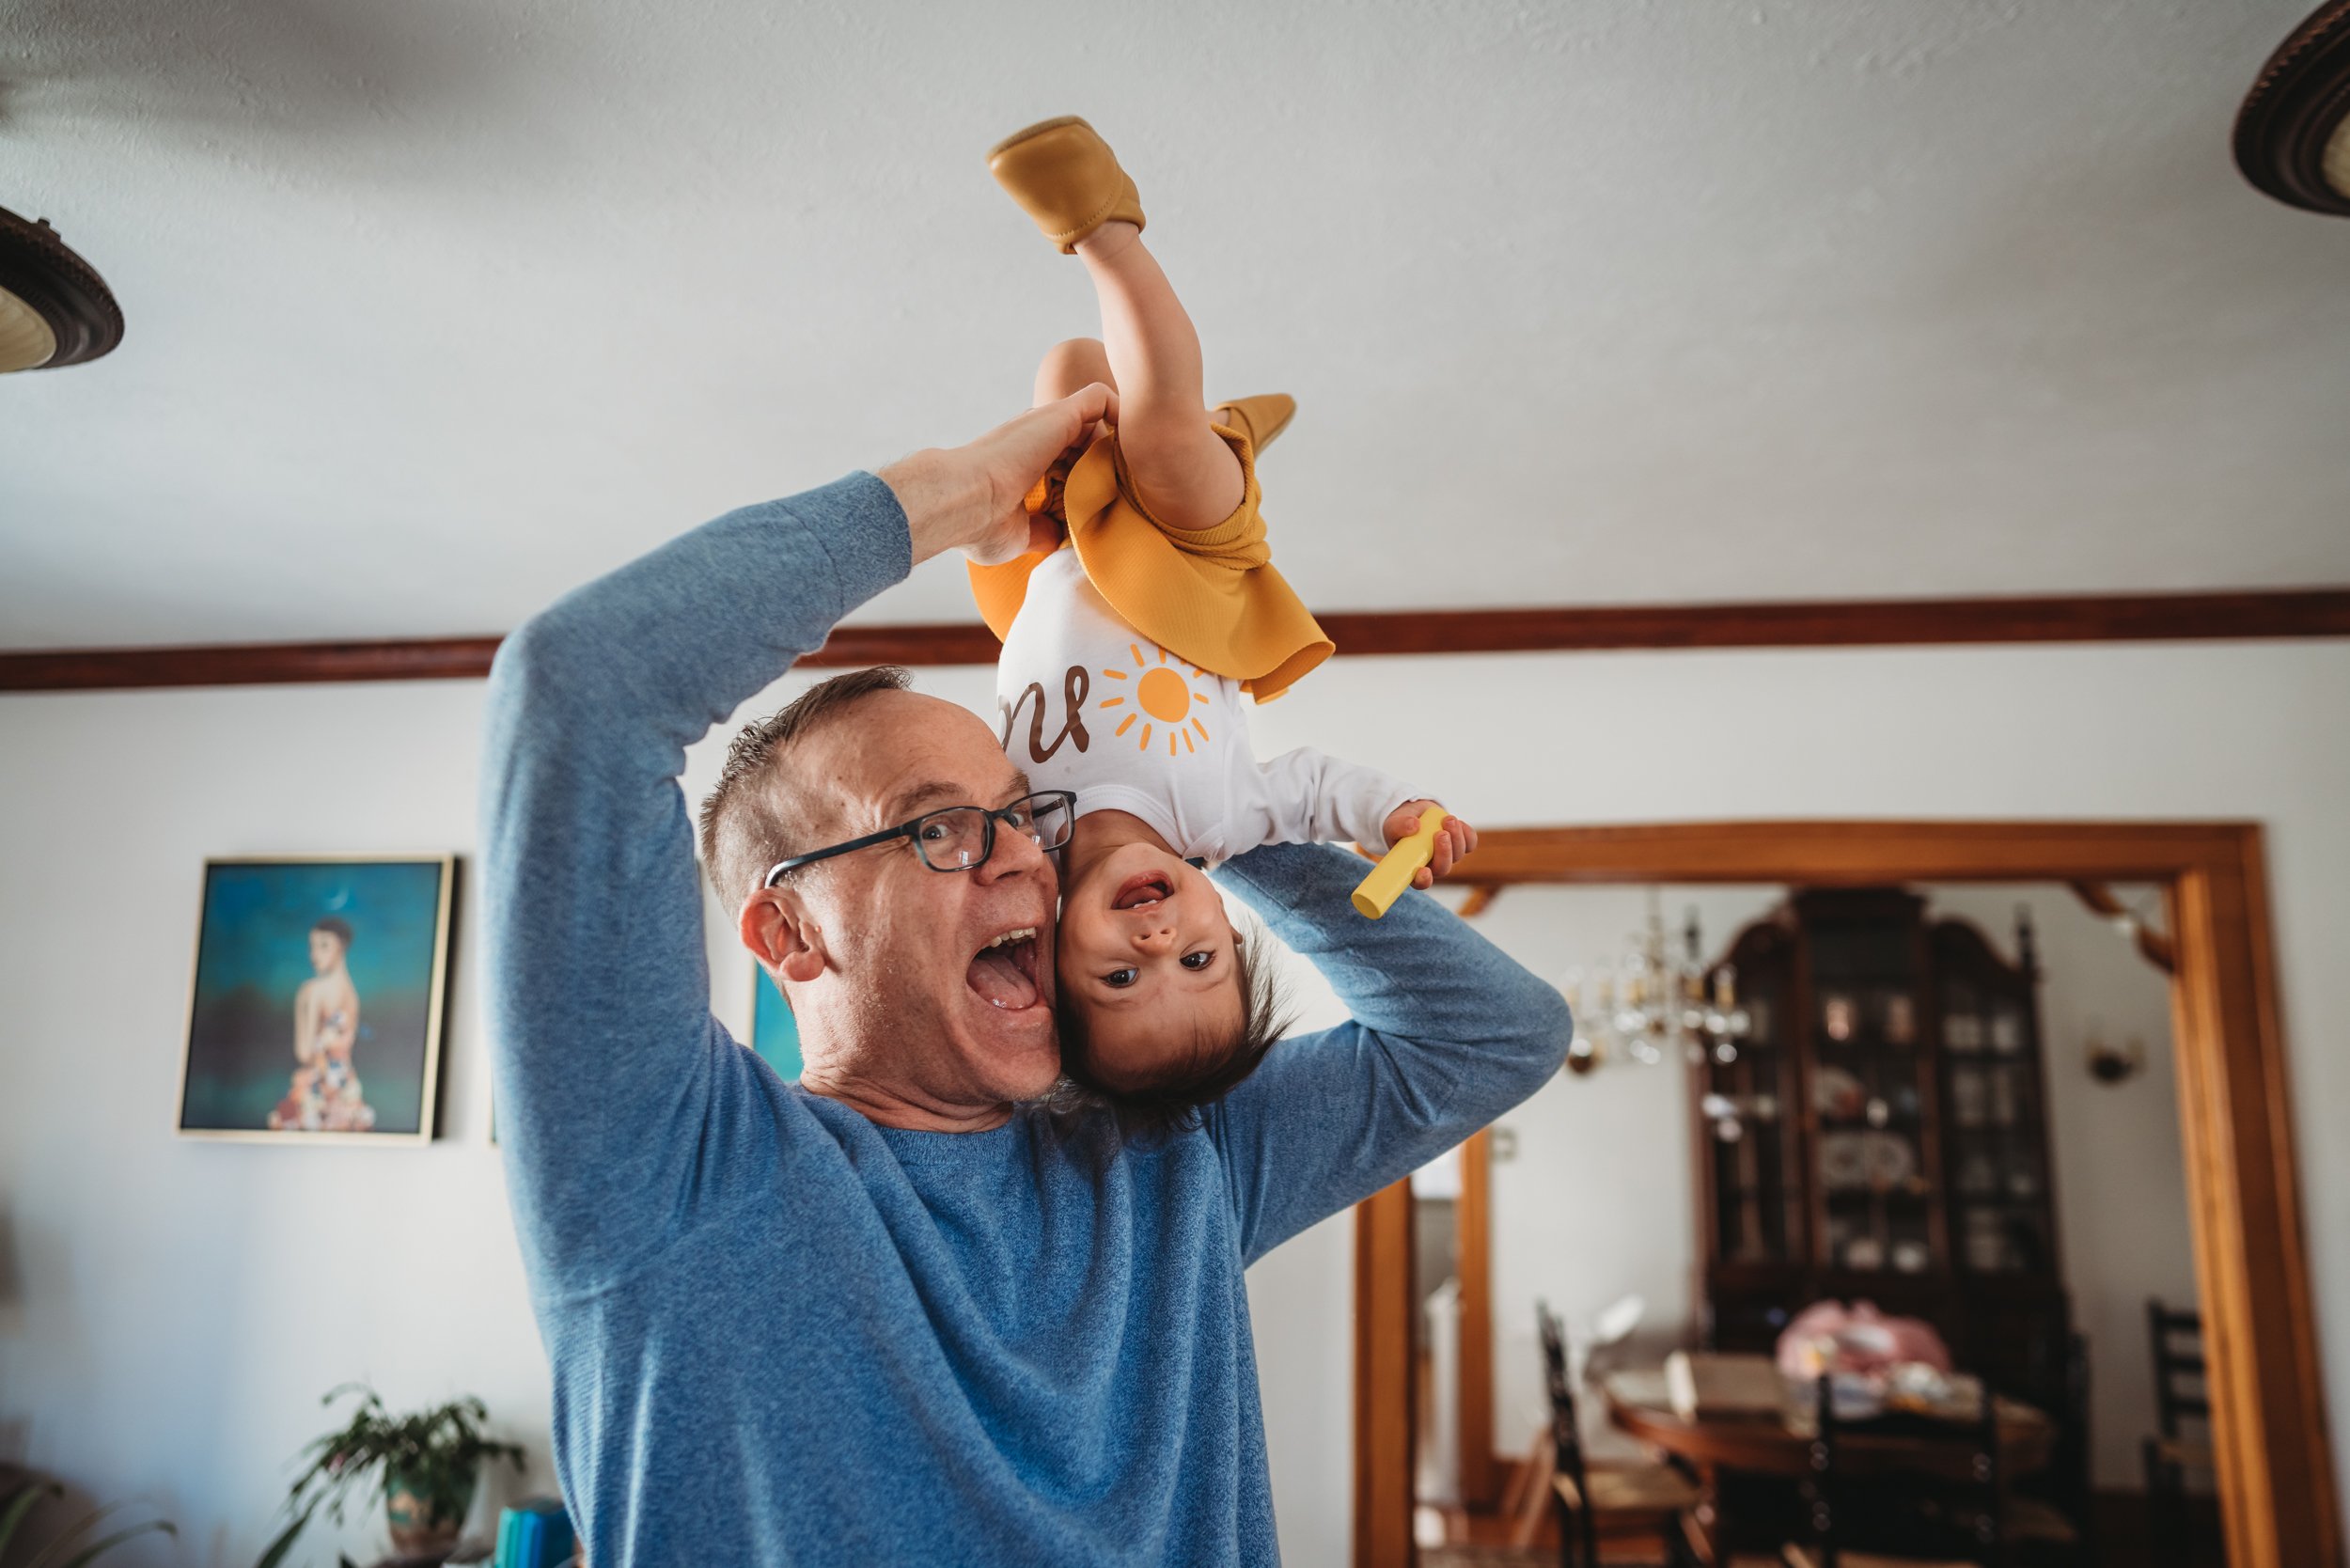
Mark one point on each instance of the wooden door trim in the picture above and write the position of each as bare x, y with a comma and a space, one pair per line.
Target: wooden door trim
1480, 1478
1386, 1398
2269, 1422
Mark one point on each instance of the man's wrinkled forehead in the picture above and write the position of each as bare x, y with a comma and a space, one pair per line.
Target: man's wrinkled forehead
901, 754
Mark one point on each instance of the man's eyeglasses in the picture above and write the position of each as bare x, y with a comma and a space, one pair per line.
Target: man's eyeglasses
961, 838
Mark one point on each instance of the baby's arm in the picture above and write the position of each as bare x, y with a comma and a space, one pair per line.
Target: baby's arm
1310, 797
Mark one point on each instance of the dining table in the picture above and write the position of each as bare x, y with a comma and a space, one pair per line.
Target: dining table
1725, 1448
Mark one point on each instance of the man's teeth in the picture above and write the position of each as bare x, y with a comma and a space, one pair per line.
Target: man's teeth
1026, 934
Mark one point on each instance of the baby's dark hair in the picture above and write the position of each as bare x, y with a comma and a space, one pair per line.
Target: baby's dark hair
337, 927
1173, 1102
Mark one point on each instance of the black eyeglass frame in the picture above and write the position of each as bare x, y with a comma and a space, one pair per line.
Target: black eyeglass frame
1067, 799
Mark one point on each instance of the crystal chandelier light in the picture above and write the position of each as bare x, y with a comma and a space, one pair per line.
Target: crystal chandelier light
1652, 1007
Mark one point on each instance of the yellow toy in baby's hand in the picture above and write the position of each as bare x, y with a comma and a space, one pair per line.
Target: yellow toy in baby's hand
1378, 892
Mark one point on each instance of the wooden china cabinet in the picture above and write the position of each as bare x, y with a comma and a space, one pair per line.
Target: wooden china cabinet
1881, 1134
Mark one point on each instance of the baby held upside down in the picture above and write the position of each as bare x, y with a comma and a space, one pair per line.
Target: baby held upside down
1127, 651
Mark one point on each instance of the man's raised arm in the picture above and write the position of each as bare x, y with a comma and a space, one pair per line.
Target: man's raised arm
608, 1065
1447, 1033
612, 1079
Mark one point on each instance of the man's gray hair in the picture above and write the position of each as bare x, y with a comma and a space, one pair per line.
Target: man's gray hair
755, 817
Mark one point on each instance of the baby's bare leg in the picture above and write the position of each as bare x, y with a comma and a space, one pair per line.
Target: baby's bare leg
1185, 473
1070, 368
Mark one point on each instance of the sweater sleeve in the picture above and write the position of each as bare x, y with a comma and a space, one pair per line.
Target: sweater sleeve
1447, 1032
620, 1098
1311, 797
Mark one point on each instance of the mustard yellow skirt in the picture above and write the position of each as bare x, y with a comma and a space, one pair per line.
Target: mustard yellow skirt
1211, 597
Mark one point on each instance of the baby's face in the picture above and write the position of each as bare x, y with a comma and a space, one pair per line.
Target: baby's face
1146, 958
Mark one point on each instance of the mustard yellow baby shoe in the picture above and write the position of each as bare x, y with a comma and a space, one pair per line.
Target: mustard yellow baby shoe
1065, 177
1259, 418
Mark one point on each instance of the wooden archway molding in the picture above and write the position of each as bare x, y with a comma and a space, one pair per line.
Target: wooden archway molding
2268, 1409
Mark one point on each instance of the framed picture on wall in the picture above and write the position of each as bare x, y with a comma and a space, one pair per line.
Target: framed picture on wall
775, 1033
315, 1011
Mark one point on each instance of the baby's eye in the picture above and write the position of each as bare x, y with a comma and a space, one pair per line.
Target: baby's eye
1200, 960
1121, 978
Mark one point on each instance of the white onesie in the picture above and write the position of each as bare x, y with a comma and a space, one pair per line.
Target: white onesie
1087, 703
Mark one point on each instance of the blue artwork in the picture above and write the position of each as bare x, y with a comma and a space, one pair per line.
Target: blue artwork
317, 1002
775, 1033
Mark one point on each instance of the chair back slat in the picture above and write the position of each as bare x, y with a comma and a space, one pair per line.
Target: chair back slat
1566, 1442
2180, 1388
1933, 1485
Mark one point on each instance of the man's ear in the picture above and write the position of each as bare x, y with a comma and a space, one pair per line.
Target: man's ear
776, 928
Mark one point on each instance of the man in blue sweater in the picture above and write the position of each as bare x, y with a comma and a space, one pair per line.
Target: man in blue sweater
897, 1312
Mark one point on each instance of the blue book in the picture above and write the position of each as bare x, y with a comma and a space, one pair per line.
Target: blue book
534, 1534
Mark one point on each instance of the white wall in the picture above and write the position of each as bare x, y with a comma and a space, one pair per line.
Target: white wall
176, 1306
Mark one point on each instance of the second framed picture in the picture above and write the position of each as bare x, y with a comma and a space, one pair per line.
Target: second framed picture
316, 1008
775, 1033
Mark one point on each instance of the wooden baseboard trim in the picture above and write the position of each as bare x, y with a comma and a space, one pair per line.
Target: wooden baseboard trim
1859, 623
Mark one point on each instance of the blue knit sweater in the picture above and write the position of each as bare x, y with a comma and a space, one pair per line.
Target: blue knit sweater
781, 1334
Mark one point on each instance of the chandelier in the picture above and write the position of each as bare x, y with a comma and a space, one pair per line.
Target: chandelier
1652, 1007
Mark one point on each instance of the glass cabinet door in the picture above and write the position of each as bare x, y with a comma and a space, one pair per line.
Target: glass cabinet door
1874, 1176
2002, 1215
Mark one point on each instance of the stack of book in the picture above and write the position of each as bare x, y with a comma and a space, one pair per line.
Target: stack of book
534, 1534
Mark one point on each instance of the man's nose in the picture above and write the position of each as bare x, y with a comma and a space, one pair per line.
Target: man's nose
1015, 853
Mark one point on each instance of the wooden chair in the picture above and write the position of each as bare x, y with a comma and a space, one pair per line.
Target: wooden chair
1617, 1501
2180, 1396
1935, 1500
2049, 1515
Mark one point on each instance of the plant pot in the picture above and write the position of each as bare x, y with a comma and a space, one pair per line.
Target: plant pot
422, 1527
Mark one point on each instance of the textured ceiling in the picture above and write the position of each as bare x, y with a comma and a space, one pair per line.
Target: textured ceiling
438, 308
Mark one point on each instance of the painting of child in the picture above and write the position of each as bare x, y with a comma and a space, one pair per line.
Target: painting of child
342, 960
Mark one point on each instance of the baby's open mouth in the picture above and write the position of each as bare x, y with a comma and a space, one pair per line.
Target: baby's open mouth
1141, 892
1004, 971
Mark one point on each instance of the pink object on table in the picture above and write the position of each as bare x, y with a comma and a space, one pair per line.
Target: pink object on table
1828, 1337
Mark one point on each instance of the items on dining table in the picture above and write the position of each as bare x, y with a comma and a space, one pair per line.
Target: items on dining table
1874, 1362
1699, 1383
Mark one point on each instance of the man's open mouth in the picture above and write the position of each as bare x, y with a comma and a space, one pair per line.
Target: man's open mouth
1004, 971
1141, 892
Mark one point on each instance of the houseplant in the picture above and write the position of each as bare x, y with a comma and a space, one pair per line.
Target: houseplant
17, 1500
424, 1466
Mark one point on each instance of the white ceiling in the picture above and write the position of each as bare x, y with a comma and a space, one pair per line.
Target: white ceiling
438, 308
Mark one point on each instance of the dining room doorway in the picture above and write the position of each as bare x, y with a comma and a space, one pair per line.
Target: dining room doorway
2174, 1064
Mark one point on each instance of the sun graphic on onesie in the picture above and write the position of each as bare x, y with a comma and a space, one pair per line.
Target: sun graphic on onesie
1159, 698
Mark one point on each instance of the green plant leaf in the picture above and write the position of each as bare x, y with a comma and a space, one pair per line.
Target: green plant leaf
65, 1538
82, 1559
284, 1544
19, 1503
